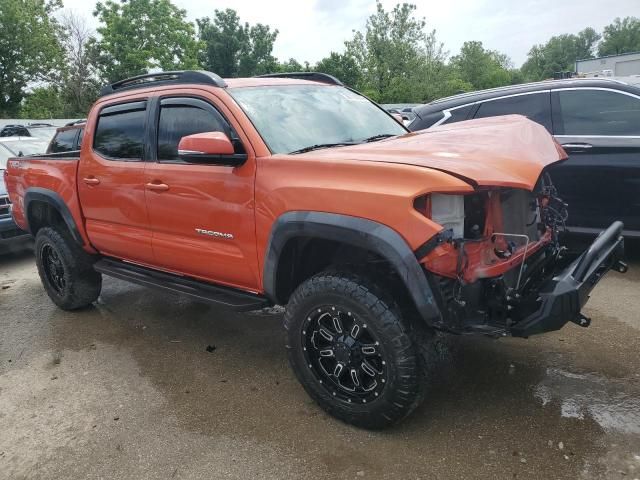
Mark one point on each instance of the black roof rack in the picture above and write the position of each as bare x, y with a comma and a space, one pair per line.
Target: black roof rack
165, 78
313, 76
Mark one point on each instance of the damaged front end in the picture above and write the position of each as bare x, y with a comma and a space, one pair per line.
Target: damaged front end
498, 268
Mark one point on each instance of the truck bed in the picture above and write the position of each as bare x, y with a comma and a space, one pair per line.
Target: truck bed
51, 172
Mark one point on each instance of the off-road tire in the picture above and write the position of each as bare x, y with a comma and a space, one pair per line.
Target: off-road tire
79, 284
405, 381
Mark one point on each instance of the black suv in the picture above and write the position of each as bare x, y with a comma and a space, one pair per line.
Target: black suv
597, 121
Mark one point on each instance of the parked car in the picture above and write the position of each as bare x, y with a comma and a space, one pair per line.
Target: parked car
597, 121
10, 235
67, 138
405, 110
21, 146
374, 238
43, 131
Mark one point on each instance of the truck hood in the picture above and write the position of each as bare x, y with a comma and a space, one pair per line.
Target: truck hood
507, 151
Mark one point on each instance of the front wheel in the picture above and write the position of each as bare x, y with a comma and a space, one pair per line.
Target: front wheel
352, 350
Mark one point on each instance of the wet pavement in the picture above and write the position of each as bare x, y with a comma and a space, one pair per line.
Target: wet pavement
146, 385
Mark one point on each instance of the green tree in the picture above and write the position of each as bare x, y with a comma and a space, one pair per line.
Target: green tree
389, 53
559, 54
291, 65
29, 48
78, 82
482, 68
139, 35
43, 103
622, 36
341, 66
232, 49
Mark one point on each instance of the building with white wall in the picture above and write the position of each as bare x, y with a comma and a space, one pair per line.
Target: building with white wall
623, 65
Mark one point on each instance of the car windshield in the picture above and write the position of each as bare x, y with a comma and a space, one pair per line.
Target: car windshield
297, 117
21, 148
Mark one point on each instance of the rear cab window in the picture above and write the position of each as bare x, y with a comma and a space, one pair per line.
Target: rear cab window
64, 141
120, 131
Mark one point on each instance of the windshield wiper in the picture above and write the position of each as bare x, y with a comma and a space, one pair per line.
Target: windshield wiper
381, 136
322, 145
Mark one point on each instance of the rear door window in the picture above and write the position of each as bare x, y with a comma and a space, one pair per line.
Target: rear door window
120, 132
597, 113
534, 106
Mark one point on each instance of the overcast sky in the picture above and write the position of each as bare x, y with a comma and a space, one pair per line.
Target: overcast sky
310, 29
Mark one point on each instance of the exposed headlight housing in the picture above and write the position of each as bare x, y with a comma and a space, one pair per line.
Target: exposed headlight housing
445, 210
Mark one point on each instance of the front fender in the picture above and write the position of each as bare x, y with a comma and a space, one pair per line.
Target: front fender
359, 232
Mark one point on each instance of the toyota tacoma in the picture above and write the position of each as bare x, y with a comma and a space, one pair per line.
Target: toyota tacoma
293, 189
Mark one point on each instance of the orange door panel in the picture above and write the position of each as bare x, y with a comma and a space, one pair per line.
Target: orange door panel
111, 183
203, 222
202, 214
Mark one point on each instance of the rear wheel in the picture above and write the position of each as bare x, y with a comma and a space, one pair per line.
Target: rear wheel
66, 271
352, 350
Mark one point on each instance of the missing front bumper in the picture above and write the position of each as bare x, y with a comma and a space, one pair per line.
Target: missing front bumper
562, 297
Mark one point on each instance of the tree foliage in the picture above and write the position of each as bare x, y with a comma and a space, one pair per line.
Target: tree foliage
232, 49
139, 35
559, 54
481, 68
622, 36
53, 65
341, 66
77, 81
29, 48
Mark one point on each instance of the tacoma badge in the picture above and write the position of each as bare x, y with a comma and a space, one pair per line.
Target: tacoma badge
213, 233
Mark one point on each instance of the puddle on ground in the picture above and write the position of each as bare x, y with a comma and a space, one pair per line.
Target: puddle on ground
613, 403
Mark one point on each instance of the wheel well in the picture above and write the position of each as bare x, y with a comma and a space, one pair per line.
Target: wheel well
303, 257
43, 214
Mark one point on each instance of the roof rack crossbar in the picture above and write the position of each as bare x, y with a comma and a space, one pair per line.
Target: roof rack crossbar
313, 76
165, 78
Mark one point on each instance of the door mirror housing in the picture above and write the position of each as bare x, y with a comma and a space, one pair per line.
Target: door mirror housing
209, 147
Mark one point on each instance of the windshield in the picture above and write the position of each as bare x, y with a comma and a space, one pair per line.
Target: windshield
25, 147
295, 117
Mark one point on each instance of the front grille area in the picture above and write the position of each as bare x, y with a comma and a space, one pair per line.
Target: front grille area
5, 206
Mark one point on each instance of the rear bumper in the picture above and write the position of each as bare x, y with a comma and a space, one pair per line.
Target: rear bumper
10, 232
562, 297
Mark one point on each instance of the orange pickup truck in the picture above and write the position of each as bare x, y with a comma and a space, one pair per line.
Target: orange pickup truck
293, 189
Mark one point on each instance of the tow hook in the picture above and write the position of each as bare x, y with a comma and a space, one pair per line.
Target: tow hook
620, 266
582, 320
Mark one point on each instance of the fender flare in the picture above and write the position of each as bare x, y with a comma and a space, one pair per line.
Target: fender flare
359, 232
55, 200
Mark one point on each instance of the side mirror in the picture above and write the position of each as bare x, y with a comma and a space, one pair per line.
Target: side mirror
209, 147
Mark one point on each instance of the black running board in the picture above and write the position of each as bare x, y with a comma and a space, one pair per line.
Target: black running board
205, 292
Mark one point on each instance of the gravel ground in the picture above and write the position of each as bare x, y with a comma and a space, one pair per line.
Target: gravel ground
146, 385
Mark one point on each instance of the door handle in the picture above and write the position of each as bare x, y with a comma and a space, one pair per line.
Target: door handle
91, 180
157, 187
577, 146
